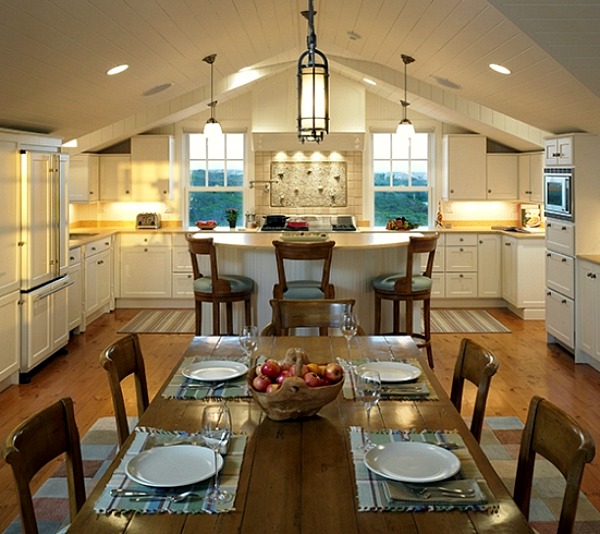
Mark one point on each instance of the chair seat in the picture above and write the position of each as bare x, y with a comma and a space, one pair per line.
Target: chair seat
386, 282
239, 284
304, 290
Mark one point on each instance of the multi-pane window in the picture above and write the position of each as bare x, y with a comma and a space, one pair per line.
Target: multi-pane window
401, 185
216, 176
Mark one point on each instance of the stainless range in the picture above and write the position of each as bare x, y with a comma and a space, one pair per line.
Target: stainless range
309, 223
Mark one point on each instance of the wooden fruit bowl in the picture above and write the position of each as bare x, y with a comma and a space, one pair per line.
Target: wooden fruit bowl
294, 399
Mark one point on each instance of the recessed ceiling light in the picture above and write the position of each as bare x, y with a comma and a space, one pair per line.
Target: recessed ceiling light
117, 69
499, 68
369, 81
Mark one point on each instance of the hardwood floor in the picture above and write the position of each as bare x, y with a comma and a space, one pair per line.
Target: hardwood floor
528, 366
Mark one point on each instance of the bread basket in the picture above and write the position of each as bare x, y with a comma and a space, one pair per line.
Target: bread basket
294, 399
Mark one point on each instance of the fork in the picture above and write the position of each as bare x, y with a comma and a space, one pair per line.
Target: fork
454, 492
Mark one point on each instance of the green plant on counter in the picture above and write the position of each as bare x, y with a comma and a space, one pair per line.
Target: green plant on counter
231, 214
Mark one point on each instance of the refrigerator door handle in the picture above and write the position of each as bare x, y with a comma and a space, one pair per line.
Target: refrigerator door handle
55, 289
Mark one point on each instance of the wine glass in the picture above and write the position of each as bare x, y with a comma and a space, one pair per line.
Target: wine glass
349, 328
368, 391
249, 341
216, 431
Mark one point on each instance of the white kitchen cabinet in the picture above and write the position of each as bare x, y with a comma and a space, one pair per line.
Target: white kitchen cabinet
523, 277
461, 266
145, 269
84, 178
560, 273
97, 278
182, 277
502, 176
9, 217
558, 151
531, 177
560, 236
489, 266
465, 167
10, 333
152, 168
560, 318
115, 178
588, 309
75, 291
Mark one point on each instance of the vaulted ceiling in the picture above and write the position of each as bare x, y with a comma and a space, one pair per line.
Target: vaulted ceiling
54, 55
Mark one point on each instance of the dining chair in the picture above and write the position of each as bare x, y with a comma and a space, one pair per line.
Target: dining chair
216, 289
33, 444
321, 314
310, 289
560, 439
478, 366
408, 287
121, 359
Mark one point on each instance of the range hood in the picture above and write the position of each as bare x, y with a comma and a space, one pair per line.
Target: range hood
346, 141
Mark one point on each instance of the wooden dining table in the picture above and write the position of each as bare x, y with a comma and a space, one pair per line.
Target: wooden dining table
298, 476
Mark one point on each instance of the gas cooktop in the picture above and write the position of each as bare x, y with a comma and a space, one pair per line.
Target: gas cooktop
341, 223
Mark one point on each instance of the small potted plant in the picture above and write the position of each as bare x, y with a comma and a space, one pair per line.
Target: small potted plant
231, 214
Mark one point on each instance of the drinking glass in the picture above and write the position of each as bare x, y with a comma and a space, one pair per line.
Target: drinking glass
368, 391
249, 342
349, 328
216, 431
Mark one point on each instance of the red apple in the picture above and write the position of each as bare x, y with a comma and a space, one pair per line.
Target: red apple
272, 388
334, 372
312, 380
283, 375
271, 369
261, 383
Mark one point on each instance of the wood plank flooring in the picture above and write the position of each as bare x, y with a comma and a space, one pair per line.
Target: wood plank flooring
528, 366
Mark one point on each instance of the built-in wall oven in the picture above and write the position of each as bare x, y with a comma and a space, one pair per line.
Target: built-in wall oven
558, 193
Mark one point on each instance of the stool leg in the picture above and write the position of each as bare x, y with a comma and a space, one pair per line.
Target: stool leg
396, 325
408, 313
377, 314
248, 311
216, 318
229, 309
198, 318
427, 326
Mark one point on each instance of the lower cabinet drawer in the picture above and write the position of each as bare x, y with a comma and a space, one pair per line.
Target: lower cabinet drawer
560, 273
560, 317
461, 285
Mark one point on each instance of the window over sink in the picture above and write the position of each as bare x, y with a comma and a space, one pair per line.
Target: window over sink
215, 176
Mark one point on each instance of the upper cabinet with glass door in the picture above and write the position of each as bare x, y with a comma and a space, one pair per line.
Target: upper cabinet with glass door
152, 168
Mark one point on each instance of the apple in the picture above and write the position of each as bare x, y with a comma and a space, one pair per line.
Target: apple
312, 380
322, 369
272, 388
271, 369
261, 383
283, 375
334, 372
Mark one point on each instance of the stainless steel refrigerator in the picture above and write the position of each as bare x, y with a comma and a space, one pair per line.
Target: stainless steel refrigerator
44, 246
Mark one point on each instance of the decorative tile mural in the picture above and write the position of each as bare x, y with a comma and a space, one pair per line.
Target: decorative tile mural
308, 184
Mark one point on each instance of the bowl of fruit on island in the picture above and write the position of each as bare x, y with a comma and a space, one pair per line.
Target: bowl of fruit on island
293, 388
206, 225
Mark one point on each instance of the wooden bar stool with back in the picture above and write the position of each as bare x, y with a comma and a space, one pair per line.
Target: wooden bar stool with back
408, 287
216, 289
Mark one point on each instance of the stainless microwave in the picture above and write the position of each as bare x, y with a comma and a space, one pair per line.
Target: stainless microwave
558, 193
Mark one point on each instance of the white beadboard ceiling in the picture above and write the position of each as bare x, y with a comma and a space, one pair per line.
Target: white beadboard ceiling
54, 55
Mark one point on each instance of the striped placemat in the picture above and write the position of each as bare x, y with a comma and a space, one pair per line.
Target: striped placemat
161, 322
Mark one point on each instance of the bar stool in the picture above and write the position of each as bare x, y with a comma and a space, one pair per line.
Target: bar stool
408, 287
303, 289
215, 289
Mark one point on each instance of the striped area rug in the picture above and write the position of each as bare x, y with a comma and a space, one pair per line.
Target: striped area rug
161, 322
465, 321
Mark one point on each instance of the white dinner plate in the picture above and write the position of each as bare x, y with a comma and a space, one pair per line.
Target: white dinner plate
392, 371
214, 370
177, 465
408, 461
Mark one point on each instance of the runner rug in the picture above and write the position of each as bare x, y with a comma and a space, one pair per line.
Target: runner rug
465, 321
161, 322
500, 441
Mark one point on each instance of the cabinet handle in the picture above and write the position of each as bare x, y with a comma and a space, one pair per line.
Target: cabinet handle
461, 276
563, 228
593, 276
145, 250
93, 248
563, 301
548, 255
548, 225
507, 244
564, 260
71, 258
480, 242
99, 262
461, 249
489, 190
549, 293
461, 239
